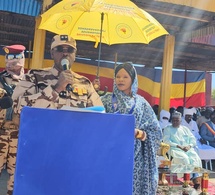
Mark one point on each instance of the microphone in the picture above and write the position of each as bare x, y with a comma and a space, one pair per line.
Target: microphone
6, 102
65, 65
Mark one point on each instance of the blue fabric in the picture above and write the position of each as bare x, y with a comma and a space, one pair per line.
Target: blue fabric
64, 152
27, 7
206, 134
145, 174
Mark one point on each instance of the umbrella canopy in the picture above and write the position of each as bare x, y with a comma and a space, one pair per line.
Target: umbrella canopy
121, 22
102, 21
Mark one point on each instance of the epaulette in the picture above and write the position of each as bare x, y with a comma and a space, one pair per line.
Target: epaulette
78, 76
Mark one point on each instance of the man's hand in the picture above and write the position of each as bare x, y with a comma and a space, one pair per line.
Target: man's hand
202, 141
180, 147
184, 148
96, 84
65, 78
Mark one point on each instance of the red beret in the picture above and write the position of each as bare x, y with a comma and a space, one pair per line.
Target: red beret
14, 49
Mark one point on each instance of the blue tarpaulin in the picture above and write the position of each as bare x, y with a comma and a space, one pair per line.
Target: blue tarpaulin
64, 152
27, 7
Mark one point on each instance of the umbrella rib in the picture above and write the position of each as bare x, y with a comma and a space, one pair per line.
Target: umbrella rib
76, 22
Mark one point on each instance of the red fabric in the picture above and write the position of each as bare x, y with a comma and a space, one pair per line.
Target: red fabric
204, 184
211, 186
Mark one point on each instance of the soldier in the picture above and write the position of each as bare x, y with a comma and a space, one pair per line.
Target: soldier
57, 86
13, 73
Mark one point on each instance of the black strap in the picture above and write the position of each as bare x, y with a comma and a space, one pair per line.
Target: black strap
7, 87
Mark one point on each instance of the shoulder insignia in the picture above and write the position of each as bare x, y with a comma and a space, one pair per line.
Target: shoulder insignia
80, 77
79, 91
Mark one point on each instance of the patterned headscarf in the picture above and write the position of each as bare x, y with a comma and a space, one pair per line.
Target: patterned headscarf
129, 69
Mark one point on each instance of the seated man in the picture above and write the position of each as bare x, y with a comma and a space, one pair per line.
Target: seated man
182, 143
192, 125
205, 116
207, 130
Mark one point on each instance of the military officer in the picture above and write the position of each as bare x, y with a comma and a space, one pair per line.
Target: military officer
57, 86
13, 73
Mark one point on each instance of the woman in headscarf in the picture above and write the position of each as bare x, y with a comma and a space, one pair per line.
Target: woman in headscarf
148, 135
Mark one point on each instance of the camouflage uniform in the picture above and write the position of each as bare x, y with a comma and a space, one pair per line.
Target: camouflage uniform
37, 91
8, 141
14, 72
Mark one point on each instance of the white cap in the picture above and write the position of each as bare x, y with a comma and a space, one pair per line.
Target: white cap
188, 111
164, 113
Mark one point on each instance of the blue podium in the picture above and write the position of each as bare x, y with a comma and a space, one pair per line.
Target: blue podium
64, 152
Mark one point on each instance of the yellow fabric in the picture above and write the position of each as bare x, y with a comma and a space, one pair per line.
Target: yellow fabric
207, 5
177, 90
123, 21
145, 84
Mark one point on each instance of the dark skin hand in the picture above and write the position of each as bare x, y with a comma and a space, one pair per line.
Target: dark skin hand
65, 78
184, 148
202, 141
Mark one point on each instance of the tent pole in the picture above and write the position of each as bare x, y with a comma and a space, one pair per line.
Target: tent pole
185, 84
166, 77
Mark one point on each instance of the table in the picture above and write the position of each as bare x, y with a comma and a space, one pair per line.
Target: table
186, 170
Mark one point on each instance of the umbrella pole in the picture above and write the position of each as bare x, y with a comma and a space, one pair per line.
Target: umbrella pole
100, 44
115, 60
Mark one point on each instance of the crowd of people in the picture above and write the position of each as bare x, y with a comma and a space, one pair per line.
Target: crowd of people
200, 121
58, 86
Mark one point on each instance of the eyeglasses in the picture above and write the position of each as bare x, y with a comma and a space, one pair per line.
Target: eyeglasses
64, 49
14, 56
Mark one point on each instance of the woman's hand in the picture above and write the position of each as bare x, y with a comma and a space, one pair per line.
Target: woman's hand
141, 135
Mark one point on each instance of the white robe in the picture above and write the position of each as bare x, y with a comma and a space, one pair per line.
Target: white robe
181, 136
192, 125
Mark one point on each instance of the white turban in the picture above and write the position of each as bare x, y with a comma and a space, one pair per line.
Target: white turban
164, 122
164, 113
194, 110
188, 111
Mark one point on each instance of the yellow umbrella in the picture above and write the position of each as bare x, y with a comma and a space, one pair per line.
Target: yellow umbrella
121, 22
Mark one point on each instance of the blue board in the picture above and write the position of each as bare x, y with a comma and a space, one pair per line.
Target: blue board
74, 153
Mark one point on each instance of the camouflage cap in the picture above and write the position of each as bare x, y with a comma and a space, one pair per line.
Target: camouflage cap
63, 40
